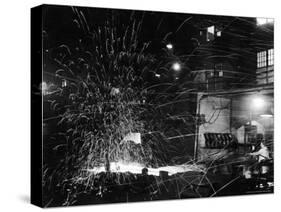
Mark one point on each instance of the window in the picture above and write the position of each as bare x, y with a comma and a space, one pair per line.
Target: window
270, 59
261, 59
210, 33
265, 58
262, 21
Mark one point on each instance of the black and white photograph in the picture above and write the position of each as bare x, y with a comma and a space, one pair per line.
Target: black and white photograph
133, 105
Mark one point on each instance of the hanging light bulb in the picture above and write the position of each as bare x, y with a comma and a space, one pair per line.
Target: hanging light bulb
176, 66
169, 46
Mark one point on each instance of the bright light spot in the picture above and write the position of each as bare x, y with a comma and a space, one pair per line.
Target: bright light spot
176, 66
258, 102
169, 46
134, 137
157, 75
64, 83
210, 33
266, 115
114, 91
262, 21
44, 88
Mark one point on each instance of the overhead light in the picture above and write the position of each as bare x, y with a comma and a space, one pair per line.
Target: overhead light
169, 46
176, 66
266, 115
258, 102
157, 75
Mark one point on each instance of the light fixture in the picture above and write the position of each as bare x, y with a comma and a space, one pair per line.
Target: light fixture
176, 66
169, 46
157, 75
267, 113
258, 102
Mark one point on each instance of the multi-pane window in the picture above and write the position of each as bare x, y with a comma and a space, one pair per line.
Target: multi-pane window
261, 59
265, 58
212, 33
262, 21
270, 59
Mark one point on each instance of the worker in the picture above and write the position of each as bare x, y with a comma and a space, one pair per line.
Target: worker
262, 153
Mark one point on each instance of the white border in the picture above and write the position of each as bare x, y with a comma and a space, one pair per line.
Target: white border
15, 102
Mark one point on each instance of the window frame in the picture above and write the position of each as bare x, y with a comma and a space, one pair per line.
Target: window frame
265, 58
262, 59
270, 57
